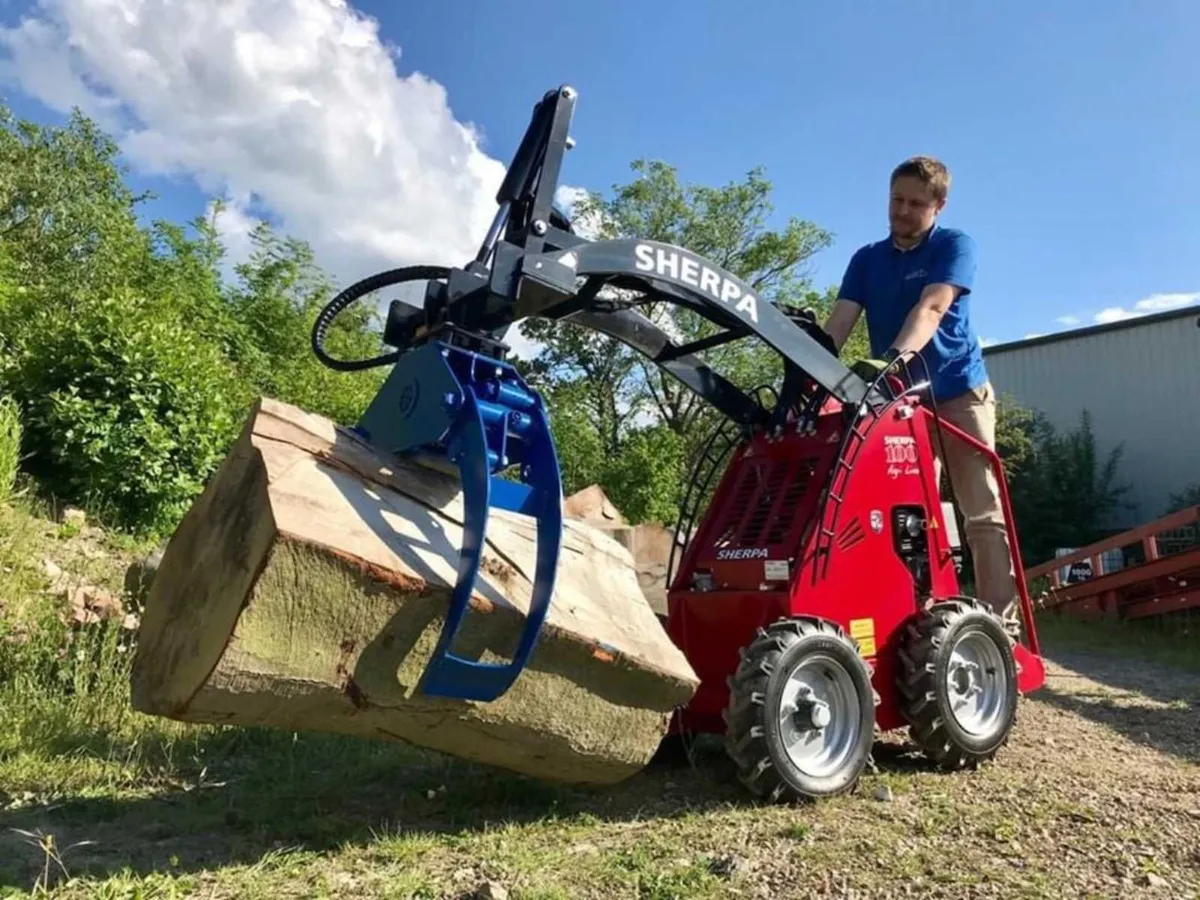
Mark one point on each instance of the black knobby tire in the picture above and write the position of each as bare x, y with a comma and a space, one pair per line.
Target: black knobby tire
927, 662
755, 738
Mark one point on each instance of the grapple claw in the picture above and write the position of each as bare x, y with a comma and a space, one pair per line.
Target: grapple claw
478, 413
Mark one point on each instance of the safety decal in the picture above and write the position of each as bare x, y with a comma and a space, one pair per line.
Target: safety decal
862, 632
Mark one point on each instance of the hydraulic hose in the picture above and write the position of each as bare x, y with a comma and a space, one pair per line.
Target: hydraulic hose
354, 292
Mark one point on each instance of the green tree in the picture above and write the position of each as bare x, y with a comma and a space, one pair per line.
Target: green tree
1063, 493
124, 409
1018, 431
578, 443
726, 224
132, 364
1184, 499
10, 445
645, 476
121, 406
279, 294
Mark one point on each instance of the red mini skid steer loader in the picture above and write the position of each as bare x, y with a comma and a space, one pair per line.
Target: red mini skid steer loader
818, 600
819, 604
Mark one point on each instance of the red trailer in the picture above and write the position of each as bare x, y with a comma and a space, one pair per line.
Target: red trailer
1164, 576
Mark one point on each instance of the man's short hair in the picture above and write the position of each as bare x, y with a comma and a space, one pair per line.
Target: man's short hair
928, 170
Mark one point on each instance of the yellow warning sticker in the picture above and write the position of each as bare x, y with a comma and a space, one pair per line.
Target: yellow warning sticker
862, 632
860, 628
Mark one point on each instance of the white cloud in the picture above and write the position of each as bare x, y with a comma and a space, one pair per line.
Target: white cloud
1152, 304
1112, 314
1158, 302
289, 108
568, 196
234, 227
521, 346
1034, 334
987, 342
1067, 320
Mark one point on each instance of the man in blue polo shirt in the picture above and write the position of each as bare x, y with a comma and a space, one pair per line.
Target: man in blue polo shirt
915, 289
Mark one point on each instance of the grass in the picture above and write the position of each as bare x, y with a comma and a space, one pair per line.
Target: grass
1169, 640
99, 801
10, 445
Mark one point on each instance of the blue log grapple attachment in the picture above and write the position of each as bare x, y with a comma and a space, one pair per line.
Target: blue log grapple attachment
452, 397
446, 401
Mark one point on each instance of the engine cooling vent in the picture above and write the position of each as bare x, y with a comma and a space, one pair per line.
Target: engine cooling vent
764, 504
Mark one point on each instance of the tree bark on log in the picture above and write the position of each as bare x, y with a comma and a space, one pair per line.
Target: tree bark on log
306, 588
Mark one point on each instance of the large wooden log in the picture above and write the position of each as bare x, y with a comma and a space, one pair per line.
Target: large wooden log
306, 587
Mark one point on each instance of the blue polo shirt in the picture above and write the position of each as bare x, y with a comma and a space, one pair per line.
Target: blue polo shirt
887, 282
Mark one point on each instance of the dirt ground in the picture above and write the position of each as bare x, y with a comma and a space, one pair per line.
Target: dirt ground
1098, 795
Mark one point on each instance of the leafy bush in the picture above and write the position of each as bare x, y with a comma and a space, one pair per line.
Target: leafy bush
1188, 497
280, 294
125, 409
132, 363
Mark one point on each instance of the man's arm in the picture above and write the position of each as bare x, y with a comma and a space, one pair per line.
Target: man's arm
925, 317
842, 320
952, 275
849, 306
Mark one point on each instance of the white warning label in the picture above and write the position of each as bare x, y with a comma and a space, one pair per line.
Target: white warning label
776, 570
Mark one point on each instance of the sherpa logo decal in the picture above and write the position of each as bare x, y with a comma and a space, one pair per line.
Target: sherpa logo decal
675, 265
742, 553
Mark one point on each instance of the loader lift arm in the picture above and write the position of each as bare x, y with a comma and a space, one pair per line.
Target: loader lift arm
451, 397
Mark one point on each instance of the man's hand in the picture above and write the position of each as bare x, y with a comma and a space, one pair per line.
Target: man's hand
868, 369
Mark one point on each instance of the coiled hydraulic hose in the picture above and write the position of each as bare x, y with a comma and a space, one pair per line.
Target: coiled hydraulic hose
356, 291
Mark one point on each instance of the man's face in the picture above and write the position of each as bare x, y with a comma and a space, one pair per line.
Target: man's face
912, 208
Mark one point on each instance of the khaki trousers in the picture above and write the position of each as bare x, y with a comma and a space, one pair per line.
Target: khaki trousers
978, 495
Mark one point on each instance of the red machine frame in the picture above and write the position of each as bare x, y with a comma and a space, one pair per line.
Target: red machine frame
801, 524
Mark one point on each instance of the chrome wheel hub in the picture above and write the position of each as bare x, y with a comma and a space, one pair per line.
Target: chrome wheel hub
819, 716
975, 684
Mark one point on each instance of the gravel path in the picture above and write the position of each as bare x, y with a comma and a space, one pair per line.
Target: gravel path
1098, 795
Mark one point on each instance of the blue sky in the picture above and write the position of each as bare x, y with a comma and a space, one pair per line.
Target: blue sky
1071, 131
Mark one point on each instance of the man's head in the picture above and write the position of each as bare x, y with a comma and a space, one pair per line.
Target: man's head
918, 192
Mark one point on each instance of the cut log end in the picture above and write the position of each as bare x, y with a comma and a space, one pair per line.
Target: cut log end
307, 587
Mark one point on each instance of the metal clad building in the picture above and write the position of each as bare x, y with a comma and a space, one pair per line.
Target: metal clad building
1140, 381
